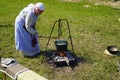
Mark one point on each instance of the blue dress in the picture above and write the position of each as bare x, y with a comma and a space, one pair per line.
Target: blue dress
23, 39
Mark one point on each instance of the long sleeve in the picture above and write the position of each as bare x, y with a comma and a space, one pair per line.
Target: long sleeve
30, 23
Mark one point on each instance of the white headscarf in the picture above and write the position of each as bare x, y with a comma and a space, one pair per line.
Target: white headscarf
40, 6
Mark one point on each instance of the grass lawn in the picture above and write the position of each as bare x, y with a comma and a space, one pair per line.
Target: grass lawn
93, 28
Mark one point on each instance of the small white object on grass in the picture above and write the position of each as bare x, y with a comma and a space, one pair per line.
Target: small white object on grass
119, 19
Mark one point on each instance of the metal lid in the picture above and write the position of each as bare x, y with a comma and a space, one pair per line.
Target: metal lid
61, 42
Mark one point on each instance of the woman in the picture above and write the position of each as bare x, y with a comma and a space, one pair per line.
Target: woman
26, 39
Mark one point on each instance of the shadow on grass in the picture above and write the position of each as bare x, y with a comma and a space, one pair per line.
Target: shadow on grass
72, 64
6, 25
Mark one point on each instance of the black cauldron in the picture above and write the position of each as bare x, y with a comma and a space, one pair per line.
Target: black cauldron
61, 45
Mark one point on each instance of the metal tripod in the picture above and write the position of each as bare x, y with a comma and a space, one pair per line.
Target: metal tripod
59, 23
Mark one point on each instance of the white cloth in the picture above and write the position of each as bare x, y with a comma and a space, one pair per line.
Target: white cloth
40, 6
23, 38
30, 75
29, 18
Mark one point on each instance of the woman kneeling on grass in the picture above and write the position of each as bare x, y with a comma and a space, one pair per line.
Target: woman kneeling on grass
26, 37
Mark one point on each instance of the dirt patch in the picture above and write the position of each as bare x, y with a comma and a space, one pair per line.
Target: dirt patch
101, 2
112, 4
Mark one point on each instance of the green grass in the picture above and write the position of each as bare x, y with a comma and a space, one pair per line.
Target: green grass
92, 29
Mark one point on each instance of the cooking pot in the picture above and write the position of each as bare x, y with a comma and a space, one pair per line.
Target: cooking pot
112, 49
61, 45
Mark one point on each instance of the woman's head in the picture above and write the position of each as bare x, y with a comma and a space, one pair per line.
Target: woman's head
39, 8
